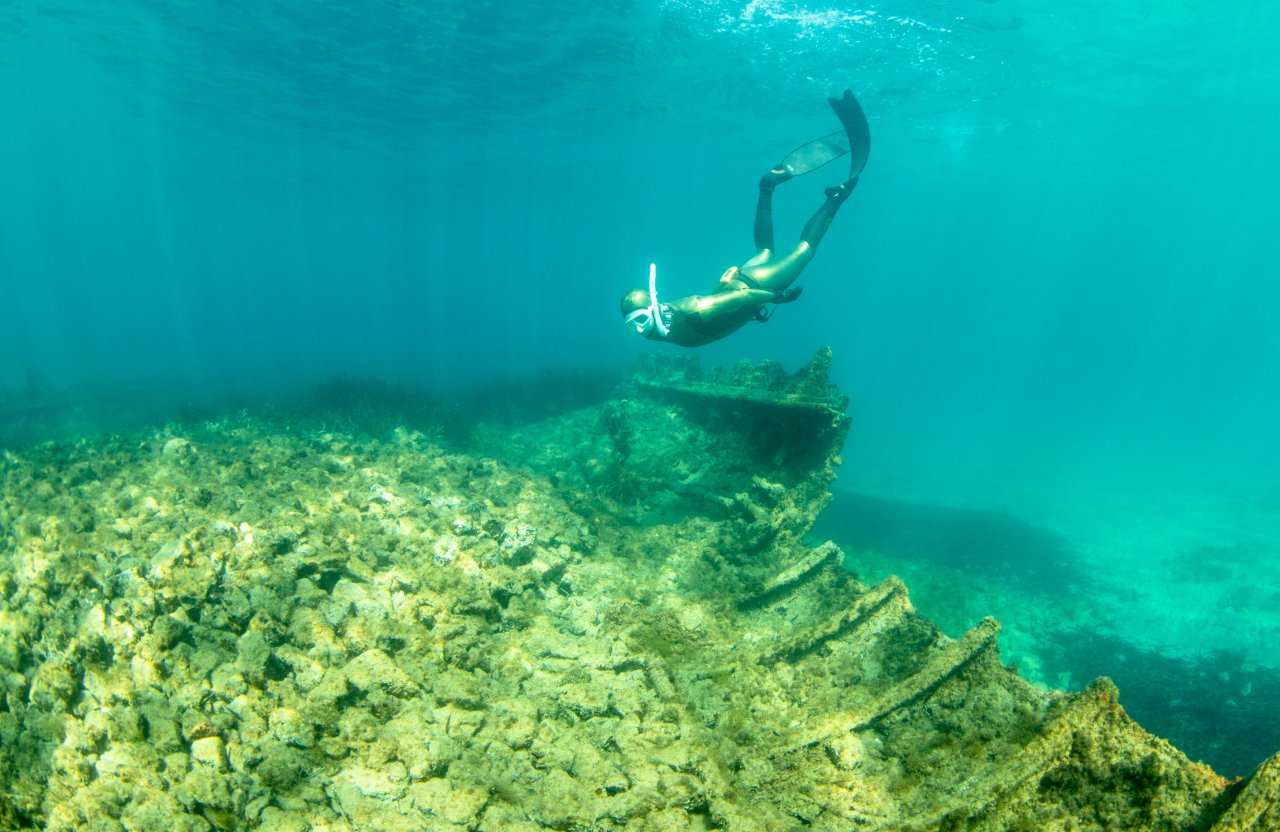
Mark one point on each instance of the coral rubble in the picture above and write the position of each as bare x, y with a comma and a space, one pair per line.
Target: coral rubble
605, 619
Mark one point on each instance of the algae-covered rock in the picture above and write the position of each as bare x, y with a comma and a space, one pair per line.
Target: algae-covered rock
598, 617
209, 751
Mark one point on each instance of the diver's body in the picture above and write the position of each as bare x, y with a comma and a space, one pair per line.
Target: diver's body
744, 292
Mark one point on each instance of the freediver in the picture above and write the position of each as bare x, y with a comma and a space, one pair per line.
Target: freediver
745, 291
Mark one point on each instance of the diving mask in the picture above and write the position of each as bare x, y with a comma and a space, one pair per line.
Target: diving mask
656, 313
640, 320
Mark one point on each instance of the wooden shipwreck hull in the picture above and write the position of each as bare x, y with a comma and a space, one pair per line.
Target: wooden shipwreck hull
604, 618
823, 703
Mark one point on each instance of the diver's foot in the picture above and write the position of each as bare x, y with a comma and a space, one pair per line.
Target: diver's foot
774, 178
842, 190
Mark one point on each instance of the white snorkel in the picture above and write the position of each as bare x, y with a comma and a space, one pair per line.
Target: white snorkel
655, 308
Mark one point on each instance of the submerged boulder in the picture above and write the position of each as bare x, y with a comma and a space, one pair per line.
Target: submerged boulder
606, 618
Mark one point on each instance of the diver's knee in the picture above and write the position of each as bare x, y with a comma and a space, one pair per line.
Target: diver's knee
800, 258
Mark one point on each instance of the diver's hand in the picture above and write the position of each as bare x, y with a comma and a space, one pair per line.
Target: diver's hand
788, 295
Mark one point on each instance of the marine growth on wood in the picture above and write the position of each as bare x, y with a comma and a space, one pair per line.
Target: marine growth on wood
603, 616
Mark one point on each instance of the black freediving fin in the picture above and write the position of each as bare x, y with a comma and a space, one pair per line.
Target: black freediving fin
855, 138
813, 155
855, 126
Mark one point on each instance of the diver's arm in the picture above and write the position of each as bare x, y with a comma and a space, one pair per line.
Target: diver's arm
701, 319
734, 303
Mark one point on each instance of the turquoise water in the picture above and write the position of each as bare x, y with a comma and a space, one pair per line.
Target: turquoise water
1053, 296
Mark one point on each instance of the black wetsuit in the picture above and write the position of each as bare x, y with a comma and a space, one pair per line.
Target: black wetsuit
744, 291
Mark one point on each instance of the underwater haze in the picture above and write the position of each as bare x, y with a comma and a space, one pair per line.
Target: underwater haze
1052, 298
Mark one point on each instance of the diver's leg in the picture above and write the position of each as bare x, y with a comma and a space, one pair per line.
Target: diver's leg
777, 273
818, 224
764, 255
763, 229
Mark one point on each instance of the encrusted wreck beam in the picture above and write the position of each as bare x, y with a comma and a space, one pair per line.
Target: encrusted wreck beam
800, 403
1257, 806
1008, 781
865, 614
790, 578
942, 665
